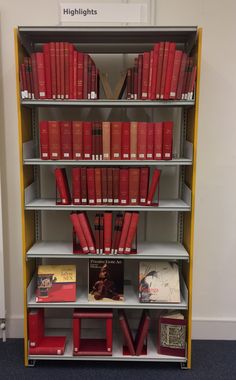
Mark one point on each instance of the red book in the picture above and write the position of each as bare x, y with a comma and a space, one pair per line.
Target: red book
83, 186
188, 76
154, 71
77, 140
27, 74
181, 76
128, 348
159, 69
62, 186
44, 140
87, 232
87, 140
67, 69
144, 182
31, 77
168, 329
91, 186
54, 134
141, 336
109, 186
104, 185
153, 187
101, 232
114, 236
71, 71
98, 137
124, 186
192, 82
98, 185
85, 78
106, 140
49, 345
131, 232
135, 78
134, 180
89, 77
93, 82
169, 71
107, 232
142, 141
94, 131
23, 76
125, 141
133, 140
75, 75
100, 141
58, 70
124, 232
52, 48
175, 74
185, 77
167, 140
79, 232
41, 75
80, 75
116, 140
128, 85
97, 232
76, 186
164, 68
158, 133
35, 327
66, 140
35, 76
119, 230
62, 69
140, 71
150, 141
115, 184
145, 75
21, 84
150, 74
47, 65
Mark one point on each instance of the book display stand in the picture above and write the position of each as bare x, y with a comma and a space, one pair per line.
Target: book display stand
165, 229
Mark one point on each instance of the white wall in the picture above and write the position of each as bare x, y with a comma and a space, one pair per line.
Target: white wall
214, 306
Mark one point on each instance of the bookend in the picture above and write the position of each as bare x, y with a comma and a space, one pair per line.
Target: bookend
92, 346
119, 88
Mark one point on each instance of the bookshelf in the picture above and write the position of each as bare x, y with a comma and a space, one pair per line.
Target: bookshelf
37, 209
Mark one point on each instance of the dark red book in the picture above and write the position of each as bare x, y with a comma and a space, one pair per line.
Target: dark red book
124, 232
98, 185
87, 232
54, 134
44, 140
31, 77
91, 186
119, 230
80, 75
41, 75
106, 140
115, 231
97, 232
169, 70
62, 69
133, 140
66, 140
185, 77
135, 79
153, 187
159, 69
52, 49
154, 71
128, 85
164, 68
100, 156
158, 133
125, 141
75, 75
144, 182
77, 140
27, 74
47, 65
167, 140
124, 187
79, 232
101, 233
35, 76
109, 186
115, 184
87, 140
85, 78
140, 73
24, 84
104, 185
142, 141
175, 74
116, 129
76, 186
142, 333
49, 345
172, 336
134, 181
192, 82
131, 232
107, 232
150, 74
98, 137
128, 347
35, 327
181, 76
89, 77
93, 82
188, 76
145, 75
71, 71
150, 141
22, 93
94, 131
84, 196
62, 186
58, 70
67, 69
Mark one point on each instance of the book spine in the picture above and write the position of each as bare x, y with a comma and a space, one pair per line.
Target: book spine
58, 70
158, 133
104, 185
89, 77
109, 334
106, 141
84, 198
35, 76
145, 75
76, 186
136, 78
97, 140
66, 140
85, 79
23, 75
62, 186
159, 70
164, 68
144, 182
128, 86
52, 47
35, 328
192, 82
118, 236
91, 186
142, 141
54, 140
167, 140
93, 82
76, 334
133, 140
150, 74
94, 131
101, 236
71, 71
185, 77
116, 140
87, 232
41, 75
175, 74
48, 79
127, 335
114, 236
153, 187
62, 69
107, 232
98, 185
169, 71
77, 140
142, 333
124, 187
79, 232
134, 178
44, 140
140, 71
80, 76
181, 76
154, 73
75, 75
55, 350
27, 74
67, 70
109, 186
125, 141
115, 184
100, 141
150, 141
131, 232
124, 232
97, 233
87, 140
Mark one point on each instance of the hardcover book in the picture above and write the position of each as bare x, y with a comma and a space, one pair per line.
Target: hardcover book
172, 334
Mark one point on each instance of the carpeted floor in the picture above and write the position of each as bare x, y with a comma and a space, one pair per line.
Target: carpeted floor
211, 360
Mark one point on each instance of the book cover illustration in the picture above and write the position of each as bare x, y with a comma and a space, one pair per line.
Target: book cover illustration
106, 280
172, 334
159, 282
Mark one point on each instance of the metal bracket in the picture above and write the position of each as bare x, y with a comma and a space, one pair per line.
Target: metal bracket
3, 328
31, 363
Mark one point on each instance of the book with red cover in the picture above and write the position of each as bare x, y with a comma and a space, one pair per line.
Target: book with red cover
89, 77
27, 75
77, 140
48, 79
58, 70
62, 69
91, 186
79, 232
124, 187
167, 140
185, 77
171, 336
153, 187
164, 68
150, 74
107, 232
154, 71
115, 184
52, 47
135, 78
41, 75
54, 134
116, 140
175, 74
128, 85
142, 141
106, 142
75, 75
192, 82
31, 77
87, 231
188, 76
145, 75
159, 69
98, 185
128, 348
71, 71
169, 70
80, 75
101, 233
119, 230
131, 232
35, 326
87, 140
24, 84
158, 133
140, 73
100, 151
141, 336
115, 233
125, 141
94, 132
76, 186
62, 186
97, 232
85, 78
133, 140
49, 345
124, 232
67, 69
134, 181
150, 141
84, 196
104, 185
66, 140
181, 76
44, 140
109, 186
35, 76
144, 182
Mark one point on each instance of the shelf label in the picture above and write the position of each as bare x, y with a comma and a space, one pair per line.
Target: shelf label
103, 13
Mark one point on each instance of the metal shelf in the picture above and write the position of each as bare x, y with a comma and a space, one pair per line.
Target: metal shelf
146, 250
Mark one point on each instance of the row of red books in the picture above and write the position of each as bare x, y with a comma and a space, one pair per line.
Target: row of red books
163, 73
107, 186
107, 239
59, 72
106, 140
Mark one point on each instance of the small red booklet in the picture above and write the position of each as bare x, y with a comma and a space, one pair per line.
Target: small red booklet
49, 345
